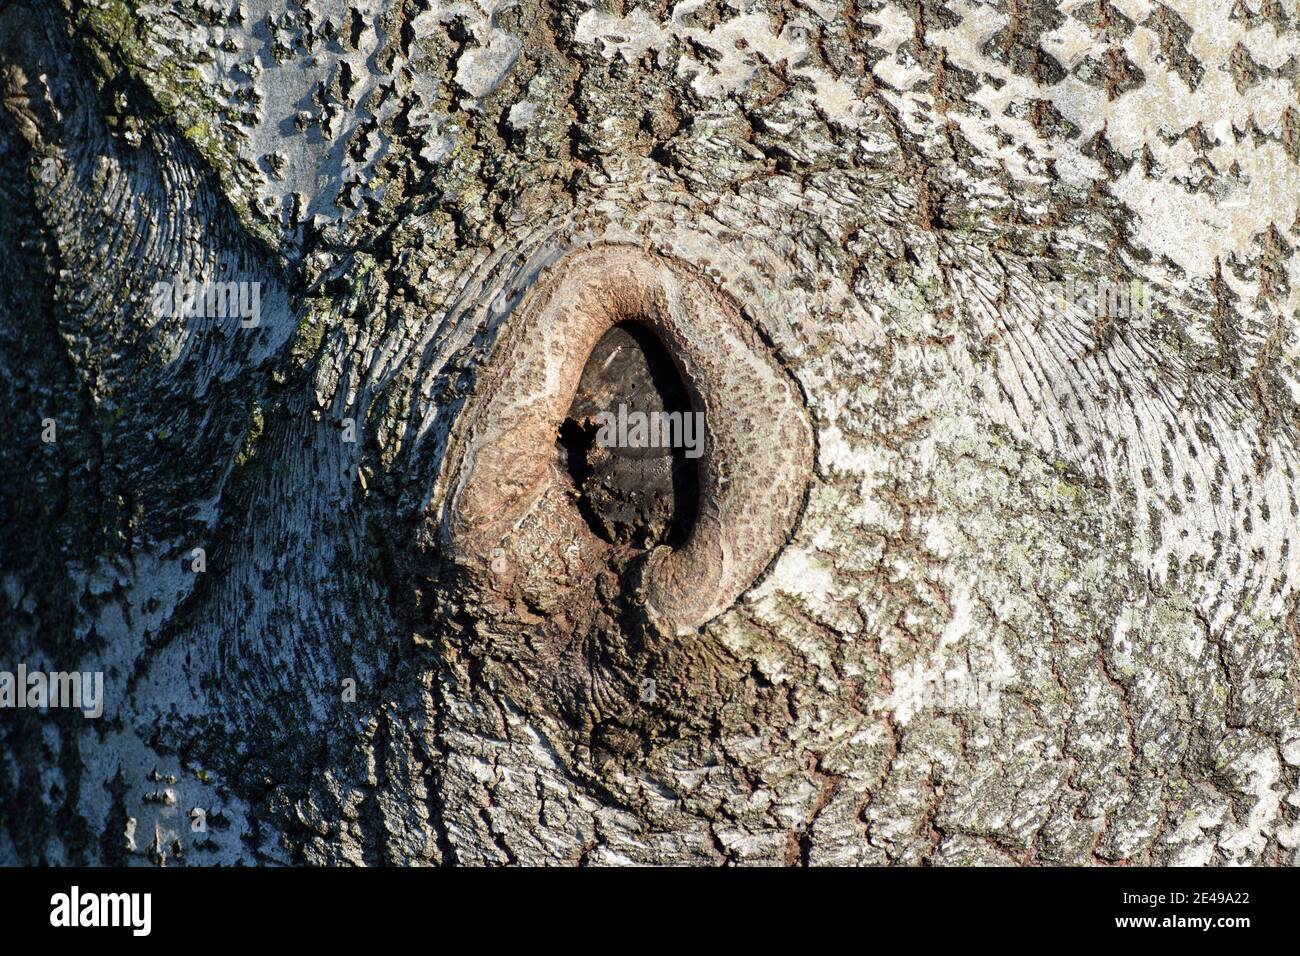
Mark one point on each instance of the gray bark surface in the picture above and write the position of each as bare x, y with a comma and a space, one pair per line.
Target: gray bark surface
1038, 603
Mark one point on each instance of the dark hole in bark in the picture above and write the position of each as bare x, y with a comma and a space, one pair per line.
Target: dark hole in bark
628, 495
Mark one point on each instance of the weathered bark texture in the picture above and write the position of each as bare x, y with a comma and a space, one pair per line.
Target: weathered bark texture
1038, 600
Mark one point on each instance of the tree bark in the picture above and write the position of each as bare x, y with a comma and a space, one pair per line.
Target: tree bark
1015, 572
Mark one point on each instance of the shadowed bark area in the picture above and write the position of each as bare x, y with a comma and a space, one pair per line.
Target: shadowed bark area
1004, 309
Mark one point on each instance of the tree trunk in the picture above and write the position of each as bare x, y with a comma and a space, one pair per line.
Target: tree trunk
974, 568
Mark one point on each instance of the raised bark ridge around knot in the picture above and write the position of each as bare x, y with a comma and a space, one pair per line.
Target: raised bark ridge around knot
507, 514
